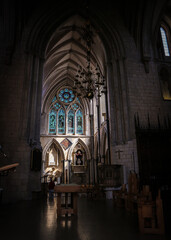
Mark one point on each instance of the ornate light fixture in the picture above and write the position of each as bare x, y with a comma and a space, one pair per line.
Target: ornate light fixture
89, 82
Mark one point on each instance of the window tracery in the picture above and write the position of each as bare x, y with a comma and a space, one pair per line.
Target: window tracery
79, 119
71, 121
66, 114
165, 42
52, 122
164, 54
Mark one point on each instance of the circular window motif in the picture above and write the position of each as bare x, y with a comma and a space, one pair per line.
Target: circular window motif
66, 95
75, 106
57, 106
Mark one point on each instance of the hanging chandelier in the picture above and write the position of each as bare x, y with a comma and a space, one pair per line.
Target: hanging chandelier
89, 82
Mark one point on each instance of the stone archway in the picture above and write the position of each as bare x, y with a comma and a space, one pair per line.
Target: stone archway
39, 37
79, 156
52, 167
85, 147
41, 33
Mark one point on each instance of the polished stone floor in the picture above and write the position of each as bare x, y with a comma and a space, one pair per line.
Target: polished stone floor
96, 220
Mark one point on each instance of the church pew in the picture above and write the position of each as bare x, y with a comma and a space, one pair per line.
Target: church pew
150, 215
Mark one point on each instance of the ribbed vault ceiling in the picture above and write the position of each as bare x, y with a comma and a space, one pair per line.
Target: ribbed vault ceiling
65, 51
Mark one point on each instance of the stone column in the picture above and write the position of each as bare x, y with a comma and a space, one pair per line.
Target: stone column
92, 140
108, 129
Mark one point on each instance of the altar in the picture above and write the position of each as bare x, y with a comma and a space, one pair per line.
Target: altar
67, 195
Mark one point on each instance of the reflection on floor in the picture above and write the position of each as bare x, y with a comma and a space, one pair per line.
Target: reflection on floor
96, 220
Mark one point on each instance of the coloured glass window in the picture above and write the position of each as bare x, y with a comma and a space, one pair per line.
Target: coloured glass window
54, 99
57, 105
78, 100
52, 122
75, 106
66, 95
79, 122
61, 121
165, 42
65, 113
71, 121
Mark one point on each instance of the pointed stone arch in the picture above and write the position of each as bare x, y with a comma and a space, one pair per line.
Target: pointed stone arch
85, 147
39, 32
50, 95
47, 146
56, 166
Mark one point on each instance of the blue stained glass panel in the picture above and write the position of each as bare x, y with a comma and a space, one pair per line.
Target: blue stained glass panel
71, 122
57, 106
79, 122
54, 99
78, 100
75, 106
66, 95
164, 41
61, 121
52, 122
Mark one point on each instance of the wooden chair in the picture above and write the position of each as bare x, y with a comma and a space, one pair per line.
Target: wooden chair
150, 214
133, 193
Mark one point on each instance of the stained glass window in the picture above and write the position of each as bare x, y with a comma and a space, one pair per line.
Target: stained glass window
52, 122
71, 121
54, 99
75, 106
164, 41
78, 100
66, 95
61, 121
57, 105
79, 122
65, 113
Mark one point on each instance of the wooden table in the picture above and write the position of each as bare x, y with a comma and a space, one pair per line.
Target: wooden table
68, 193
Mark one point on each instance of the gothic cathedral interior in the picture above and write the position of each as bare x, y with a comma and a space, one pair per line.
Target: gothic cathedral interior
85, 89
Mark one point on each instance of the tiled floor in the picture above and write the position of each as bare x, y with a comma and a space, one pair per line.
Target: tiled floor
96, 220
